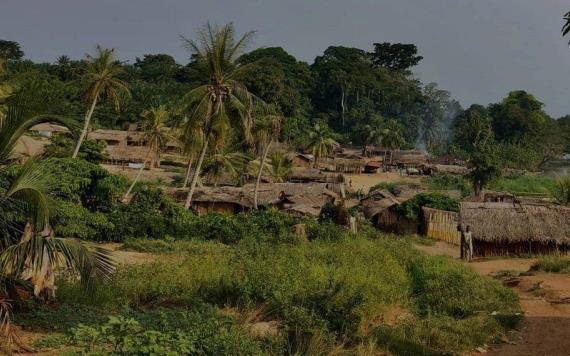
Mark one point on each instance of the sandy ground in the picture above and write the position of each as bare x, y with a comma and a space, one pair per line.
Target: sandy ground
546, 327
365, 181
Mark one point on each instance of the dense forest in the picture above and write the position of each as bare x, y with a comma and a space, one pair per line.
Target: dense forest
355, 96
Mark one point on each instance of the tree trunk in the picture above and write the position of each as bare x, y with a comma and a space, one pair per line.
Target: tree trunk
188, 170
196, 174
126, 196
342, 105
261, 165
86, 125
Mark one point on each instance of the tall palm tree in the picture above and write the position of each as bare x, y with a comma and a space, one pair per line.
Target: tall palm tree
101, 80
321, 142
156, 135
392, 137
36, 252
221, 101
267, 129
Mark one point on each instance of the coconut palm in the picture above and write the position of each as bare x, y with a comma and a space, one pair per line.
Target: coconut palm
101, 80
392, 137
321, 142
156, 135
225, 160
28, 249
267, 128
221, 101
281, 167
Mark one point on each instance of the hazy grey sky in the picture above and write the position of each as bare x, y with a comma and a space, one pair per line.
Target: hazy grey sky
478, 49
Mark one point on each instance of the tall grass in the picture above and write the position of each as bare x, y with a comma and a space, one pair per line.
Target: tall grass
337, 294
554, 264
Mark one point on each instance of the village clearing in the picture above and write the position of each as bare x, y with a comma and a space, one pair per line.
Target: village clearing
543, 298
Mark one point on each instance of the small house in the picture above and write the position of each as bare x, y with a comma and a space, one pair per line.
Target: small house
441, 225
301, 160
500, 228
47, 129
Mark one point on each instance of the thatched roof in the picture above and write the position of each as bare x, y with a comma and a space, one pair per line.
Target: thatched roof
27, 147
377, 201
409, 157
510, 223
451, 169
306, 199
48, 127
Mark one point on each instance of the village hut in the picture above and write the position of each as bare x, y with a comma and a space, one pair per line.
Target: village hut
445, 169
294, 198
489, 196
377, 201
47, 129
516, 229
406, 159
301, 160
27, 147
372, 167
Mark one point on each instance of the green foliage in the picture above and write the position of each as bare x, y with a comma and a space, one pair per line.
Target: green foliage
61, 146
530, 185
329, 291
561, 191
554, 264
174, 332
412, 208
446, 181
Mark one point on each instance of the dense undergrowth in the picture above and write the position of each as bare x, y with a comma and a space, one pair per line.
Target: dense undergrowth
211, 293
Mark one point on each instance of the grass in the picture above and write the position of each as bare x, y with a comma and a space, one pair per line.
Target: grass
526, 185
325, 295
553, 264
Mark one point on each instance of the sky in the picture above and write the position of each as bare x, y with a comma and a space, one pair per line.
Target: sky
479, 50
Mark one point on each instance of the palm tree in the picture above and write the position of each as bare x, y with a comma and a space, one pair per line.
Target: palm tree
281, 167
224, 160
267, 128
392, 137
156, 135
36, 252
566, 27
101, 79
321, 142
221, 101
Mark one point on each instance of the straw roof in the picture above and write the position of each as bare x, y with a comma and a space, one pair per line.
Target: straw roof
306, 199
48, 127
377, 201
451, 169
510, 223
28, 146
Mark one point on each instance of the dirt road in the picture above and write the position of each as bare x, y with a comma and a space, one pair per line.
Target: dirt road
546, 327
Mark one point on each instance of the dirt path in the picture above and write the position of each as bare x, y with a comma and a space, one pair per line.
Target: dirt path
546, 327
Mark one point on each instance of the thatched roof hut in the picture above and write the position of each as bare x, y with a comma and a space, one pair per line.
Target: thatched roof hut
449, 169
300, 199
47, 129
507, 228
377, 201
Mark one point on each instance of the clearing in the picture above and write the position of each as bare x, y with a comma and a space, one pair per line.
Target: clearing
544, 298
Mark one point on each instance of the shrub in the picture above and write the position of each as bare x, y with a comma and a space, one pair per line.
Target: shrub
447, 181
73, 220
412, 208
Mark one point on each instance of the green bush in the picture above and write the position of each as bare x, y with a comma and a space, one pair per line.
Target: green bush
446, 181
412, 208
73, 220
